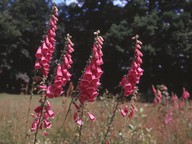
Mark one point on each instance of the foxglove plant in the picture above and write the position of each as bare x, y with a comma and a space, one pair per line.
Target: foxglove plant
129, 86
45, 51
89, 83
90, 80
43, 57
129, 81
62, 76
43, 112
158, 95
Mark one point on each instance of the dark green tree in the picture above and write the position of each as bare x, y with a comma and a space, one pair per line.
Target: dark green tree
22, 25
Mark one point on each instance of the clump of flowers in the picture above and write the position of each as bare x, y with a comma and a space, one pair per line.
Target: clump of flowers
90, 80
161, 94
45, 51
54, 87
62, 76
44, 111
129, 82
129, 86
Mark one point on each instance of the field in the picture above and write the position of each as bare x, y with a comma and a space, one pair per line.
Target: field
150, 124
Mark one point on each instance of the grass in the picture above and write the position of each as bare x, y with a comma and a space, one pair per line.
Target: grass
146, 127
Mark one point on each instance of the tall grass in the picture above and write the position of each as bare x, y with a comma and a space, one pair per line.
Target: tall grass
146, 127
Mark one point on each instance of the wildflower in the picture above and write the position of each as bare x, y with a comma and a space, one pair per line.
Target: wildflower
168, 118
158, 97
185, 94
45, 112
91, 117
90, 80
130, 80
45, 51
89, 83
62, 72
124, 111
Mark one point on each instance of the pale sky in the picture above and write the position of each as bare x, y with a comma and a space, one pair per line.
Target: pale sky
67, 1
116, 2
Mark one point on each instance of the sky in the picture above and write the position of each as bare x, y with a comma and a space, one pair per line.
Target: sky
116, 2
67, 1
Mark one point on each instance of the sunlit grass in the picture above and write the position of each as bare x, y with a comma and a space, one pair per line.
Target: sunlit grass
146, 127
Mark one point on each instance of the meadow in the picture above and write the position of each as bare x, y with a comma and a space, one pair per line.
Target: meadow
148, 126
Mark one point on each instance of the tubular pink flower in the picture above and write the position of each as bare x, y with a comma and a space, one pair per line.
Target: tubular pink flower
91, 117
37, 65
124, 111
39, 53
45, 133
158, 97
47, 124
46, 113
185, 94
34, 125
79, 122
45, 48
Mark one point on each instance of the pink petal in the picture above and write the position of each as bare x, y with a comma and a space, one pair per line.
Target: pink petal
123, 113
44, 48
37, 65
59, 72
39, 53
90, 90
45, 133
92, 117
47, 124
50, 113
79, 122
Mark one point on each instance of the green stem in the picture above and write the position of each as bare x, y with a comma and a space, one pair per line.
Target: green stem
62, 126
36, 132
81, 126
110, 122
29, 109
